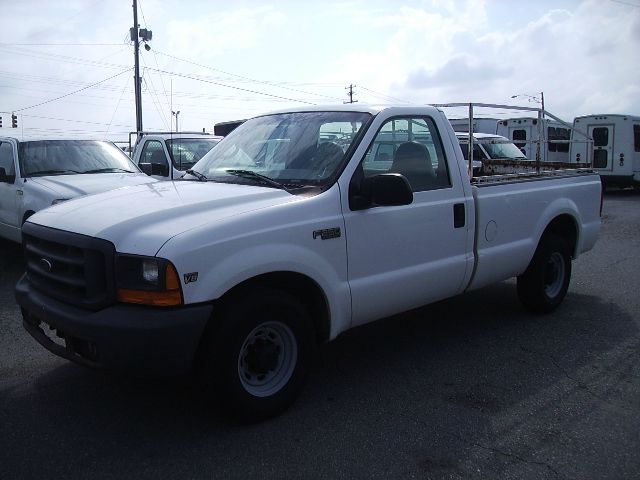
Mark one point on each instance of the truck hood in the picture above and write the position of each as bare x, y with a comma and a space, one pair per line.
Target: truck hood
71, 186
142, 218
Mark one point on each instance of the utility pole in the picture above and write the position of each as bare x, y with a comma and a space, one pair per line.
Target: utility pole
350, 94
146, 35
138, 81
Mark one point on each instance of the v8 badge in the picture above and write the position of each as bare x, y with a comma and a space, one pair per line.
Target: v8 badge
190, 277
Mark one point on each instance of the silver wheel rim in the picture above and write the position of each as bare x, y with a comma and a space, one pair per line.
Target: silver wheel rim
267, 359
554, 275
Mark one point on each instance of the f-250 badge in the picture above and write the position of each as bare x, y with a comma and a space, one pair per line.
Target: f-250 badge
327, 233
190, 277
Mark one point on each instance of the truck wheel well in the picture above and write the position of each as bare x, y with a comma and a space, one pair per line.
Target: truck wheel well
302, 287
565, 227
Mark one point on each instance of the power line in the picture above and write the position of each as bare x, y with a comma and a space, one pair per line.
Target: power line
252, 80
229, 86
117, 105
382, 95
27, 115
72, 93
63, 58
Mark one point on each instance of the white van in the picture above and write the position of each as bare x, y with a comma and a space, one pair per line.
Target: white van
616, 147
525, 133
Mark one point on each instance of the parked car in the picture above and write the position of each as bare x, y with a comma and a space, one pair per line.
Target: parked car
241, 269
36, 174
168, 155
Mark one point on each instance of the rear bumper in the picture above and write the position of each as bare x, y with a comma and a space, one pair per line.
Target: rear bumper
136, 339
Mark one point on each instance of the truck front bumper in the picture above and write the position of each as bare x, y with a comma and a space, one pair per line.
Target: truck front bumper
136, 339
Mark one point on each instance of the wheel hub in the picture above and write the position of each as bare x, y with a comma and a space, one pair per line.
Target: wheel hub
262, 356
267, 358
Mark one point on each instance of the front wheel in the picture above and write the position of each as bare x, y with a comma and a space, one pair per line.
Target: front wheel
543, 286
256, 361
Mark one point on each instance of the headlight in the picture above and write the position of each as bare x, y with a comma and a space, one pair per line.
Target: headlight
59, 200
148, 281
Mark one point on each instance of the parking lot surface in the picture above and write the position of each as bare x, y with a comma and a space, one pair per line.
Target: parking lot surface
472, 387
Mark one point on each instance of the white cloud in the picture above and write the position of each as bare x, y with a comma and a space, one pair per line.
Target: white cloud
582, 55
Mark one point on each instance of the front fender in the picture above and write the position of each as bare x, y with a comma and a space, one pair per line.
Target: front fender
254, 261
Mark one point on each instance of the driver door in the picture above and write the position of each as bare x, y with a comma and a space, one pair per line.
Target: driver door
402, 257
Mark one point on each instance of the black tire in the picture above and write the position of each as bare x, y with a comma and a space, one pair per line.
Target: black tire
543, 286
256, 360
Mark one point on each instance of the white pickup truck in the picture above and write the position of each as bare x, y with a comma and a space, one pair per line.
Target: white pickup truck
298, 226
168, 155
38, 173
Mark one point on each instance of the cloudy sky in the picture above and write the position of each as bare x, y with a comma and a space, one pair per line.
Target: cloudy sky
66, 68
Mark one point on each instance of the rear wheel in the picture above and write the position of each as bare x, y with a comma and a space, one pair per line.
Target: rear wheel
543, 286
256, 361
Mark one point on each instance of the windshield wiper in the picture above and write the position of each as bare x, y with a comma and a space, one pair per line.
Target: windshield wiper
50, 172
200, 176
108, 169
257, 176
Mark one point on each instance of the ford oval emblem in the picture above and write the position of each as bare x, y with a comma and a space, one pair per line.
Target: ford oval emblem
46, 265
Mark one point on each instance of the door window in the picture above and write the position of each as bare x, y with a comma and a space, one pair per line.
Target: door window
600, 158
520, 135
600, 142
411, 147
600, 137
6, 161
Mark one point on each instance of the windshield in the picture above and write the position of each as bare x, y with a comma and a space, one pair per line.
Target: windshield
294, 149
62, 157
185, 152
501, 149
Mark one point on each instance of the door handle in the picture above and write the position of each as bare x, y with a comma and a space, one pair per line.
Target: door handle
458, 215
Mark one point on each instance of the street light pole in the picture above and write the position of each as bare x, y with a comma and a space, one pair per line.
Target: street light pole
175, 114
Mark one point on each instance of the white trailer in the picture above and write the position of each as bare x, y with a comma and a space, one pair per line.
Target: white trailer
615, 150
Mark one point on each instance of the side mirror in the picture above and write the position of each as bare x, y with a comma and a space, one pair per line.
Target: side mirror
155, 169
384, 190
160, 169
146, 168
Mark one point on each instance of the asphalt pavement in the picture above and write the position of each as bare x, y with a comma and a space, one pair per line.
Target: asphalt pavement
472, 387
